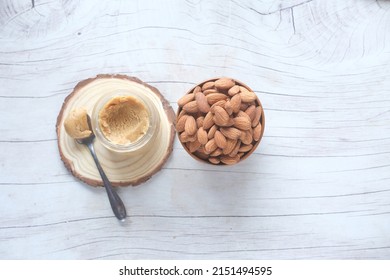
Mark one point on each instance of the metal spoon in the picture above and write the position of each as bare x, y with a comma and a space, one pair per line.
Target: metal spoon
116, 203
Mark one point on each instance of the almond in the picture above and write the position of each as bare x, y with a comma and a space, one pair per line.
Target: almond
231, 132
190, 126
245, 148
181, 123
228, 107
199, 121
208, 121
216, 153
230, 160
242, 123
182, 113
240, 154
230, 122
235, 101
185, 99
191, 107
257, 117
224, 83
202, 150
211, 90
243, 106
210, 146
251, 112
257, 132
220, 140
207, 85
202, 136
244, 115
214, 160
246, 95
197, 89
215, 97
193, 146
236, 148
230, 145
212, 131
246, 137
234, 90
184, 137
220, 103
221, 117
201, 100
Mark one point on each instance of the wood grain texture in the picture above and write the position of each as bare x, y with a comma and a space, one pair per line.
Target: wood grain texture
317, 187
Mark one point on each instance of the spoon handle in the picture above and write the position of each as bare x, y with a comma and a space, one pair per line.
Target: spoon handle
116, 202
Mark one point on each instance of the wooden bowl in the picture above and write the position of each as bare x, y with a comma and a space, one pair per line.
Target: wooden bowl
202, 154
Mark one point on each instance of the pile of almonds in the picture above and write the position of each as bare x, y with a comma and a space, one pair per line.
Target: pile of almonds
219, 121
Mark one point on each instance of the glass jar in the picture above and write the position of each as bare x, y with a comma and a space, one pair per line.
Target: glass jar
142, 141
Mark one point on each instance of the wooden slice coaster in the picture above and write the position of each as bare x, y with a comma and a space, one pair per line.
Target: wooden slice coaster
121, 169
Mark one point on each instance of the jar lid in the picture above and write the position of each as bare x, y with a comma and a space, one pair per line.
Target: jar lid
122, 169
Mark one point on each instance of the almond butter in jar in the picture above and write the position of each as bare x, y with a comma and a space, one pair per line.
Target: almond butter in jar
220, 121
125, 122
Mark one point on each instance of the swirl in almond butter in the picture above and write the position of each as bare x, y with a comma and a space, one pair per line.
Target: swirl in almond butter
123, 120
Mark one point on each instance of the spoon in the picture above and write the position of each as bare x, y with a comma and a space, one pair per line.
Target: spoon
116, 203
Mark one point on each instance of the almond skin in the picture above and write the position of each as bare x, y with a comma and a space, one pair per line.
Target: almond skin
190, 126
215, 97
246, 137
185, 99
211, 90
184, 137
257, 132
221, 117
246, 95
242, 123
208, 121
244, 106
236, 148
212, 131
224, 84
220, 139
191, 107
199, 121
216, 153
231, 132
180, 124
230, 145
202, 136
235, 101
214, 160
182, 113
250, 111
193, 146
244, 115
210, 146
258, 113
220, 103
234, 90
245, 148
202, 103
197, 89
230, 160
228, 107
207, 85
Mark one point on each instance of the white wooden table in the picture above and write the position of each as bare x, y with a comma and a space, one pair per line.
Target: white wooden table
318, 186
